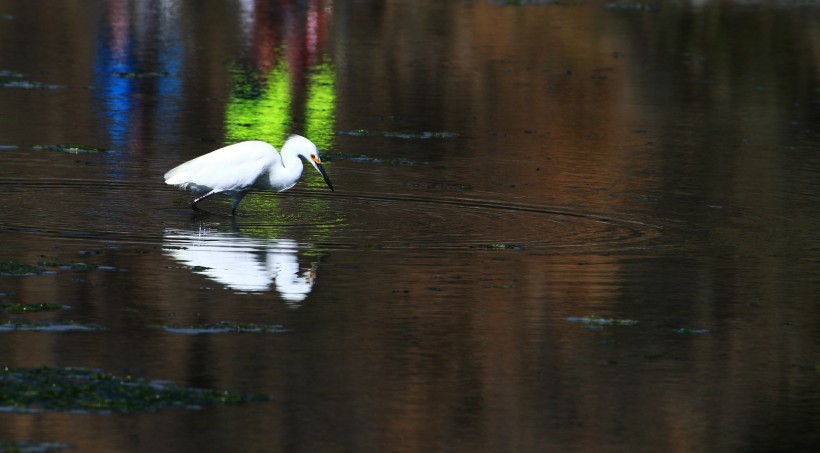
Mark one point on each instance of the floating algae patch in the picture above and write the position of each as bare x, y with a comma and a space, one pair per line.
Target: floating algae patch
599, 321
71, 148
7, 446
690, 331
222, 327
634, 6
29, 308
497, 246
19, 269
27, 85
140, 75
404, 135
22, 269
79, 266
363, 159
63, 326
85, 390
11, 79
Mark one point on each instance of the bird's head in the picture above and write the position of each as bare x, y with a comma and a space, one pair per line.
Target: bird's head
308, 151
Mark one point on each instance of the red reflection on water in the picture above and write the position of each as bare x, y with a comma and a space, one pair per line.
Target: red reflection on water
118, 17
268, 28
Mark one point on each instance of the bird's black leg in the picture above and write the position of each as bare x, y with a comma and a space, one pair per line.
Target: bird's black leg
193, 203
236, 199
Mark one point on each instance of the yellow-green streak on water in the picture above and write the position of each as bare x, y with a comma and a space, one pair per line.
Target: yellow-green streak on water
265, 117
320, 106
266, 113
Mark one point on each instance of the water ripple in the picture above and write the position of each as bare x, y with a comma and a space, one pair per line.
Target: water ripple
135, 212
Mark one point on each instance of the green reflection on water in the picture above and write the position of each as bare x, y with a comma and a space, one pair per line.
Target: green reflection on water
320, 106
320, 113
255, 113
262, 107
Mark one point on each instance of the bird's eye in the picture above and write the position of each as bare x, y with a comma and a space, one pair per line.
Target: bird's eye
313, 156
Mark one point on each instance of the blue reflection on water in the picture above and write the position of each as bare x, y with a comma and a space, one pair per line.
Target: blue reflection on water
138, 61
114, 54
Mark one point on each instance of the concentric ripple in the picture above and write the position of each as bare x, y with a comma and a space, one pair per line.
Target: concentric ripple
123, 211
404, 221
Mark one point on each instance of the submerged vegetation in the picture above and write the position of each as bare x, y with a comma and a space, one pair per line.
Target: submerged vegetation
391, 134
29, 308
18, 269
71, 148
599, 321
497, 246
85, 390
361, 158
11, 79
13, 268
222, 327
140, 75
690, 331
62, 326
7, 446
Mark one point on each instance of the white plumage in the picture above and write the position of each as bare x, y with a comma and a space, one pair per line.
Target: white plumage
237, 169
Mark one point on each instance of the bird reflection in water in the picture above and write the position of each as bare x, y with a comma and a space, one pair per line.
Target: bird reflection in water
242, 263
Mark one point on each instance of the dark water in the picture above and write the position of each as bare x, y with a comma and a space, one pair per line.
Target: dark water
505, 174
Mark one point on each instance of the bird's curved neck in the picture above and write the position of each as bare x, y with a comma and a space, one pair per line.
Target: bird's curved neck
290, 158
286, 176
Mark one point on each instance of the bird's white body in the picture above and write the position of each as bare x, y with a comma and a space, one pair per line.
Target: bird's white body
239, 168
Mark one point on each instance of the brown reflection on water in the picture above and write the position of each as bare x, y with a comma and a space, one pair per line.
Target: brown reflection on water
655, 164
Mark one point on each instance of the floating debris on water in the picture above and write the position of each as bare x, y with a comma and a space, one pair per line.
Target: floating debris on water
499, 286
536, 2
27, 85
79, 266
30, 308
497, 246
68, 266
62, 326
19, 269
222, 327
71, 148
140, 75
22, 446
11, 79
404, 135
599, 321
363, 159
629, 5
689, 331
43, 267
96, 391
437, 185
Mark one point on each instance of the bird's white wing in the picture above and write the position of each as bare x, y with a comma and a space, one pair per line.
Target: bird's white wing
234, 167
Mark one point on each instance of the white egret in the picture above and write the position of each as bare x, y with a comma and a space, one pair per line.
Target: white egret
237, 169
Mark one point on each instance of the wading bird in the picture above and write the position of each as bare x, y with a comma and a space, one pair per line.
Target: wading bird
237, 169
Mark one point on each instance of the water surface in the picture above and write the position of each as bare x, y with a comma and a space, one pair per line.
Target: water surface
558, 226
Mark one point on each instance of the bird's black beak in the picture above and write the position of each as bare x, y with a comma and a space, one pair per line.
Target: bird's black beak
324, 175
